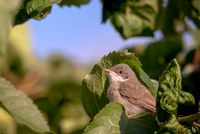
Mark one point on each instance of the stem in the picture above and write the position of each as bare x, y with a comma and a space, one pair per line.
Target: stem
189, 118
196, 124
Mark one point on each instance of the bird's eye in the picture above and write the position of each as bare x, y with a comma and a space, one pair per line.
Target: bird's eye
120, 71
126, 77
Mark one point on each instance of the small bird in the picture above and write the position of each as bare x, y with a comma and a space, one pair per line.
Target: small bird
126, 89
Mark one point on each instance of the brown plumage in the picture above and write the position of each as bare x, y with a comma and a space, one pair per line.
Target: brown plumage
125, 88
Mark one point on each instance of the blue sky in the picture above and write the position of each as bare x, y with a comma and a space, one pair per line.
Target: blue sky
76, 33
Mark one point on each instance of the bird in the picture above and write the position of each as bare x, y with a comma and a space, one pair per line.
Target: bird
125, 88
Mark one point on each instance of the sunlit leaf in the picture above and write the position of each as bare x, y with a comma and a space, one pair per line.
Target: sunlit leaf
21, 107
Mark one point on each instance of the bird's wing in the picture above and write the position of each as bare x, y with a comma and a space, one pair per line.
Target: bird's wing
131, 89
138, 95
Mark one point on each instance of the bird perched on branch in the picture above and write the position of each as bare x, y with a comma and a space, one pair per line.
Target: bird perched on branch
126, 89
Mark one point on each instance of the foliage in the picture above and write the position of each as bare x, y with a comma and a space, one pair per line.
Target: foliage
130, 17
169, 96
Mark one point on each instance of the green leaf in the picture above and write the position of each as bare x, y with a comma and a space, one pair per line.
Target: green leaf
112, 120
171, 78
130, 17
169, 96
8, 9
21, 107
73, 2
95, 84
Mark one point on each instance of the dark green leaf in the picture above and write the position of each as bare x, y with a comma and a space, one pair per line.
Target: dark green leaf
131, 17
73, 2
95, 84
112, 120
21, 107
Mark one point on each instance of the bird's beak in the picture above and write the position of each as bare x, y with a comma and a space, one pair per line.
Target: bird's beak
107, 70
112, 75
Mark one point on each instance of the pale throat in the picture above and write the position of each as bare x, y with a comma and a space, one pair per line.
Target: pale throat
112, 93
115, 78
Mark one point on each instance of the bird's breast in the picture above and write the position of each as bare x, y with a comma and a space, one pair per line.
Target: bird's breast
113, 93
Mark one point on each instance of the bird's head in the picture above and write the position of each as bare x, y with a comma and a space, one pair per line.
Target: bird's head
113, 76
